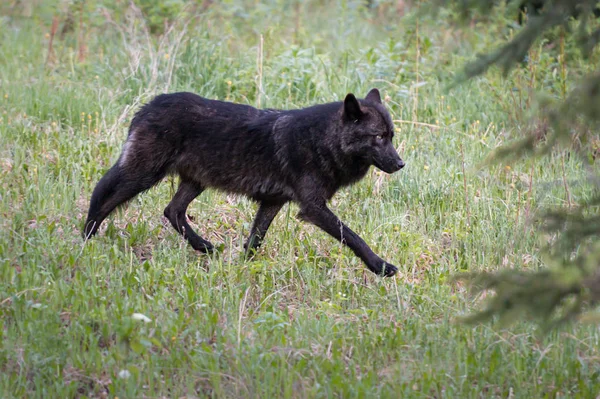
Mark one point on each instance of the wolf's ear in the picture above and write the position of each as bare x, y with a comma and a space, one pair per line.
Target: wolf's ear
352, 109
374, 96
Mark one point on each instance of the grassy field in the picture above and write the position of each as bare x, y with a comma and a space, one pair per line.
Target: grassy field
304, 318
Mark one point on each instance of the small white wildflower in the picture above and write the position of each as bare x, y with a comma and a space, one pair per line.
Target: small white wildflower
141, 317
124, 374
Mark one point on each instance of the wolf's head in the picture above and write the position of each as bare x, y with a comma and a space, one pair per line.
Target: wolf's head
368, 132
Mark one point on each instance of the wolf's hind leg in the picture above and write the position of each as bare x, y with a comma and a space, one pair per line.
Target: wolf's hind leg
175, 212
116, 187
265, 215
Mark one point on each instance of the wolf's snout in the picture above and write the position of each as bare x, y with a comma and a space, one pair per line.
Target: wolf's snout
390, 164
396, 165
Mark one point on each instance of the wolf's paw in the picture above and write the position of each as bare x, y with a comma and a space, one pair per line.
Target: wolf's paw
388, 270
382, 268
202, 246
249, 253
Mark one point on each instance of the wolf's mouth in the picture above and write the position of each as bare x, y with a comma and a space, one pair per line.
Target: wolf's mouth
391, 167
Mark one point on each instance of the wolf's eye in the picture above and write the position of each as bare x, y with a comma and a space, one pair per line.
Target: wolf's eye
379, 137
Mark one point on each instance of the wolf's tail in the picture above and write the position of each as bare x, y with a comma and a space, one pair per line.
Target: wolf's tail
120, 184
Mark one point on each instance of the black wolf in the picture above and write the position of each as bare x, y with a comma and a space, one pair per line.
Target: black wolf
271, 156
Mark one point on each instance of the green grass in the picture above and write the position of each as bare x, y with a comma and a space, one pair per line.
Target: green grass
303, 318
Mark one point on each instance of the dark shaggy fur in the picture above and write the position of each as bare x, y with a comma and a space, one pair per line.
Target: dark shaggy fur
271, 156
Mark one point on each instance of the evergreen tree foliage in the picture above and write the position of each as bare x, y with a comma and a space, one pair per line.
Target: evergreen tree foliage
569, 287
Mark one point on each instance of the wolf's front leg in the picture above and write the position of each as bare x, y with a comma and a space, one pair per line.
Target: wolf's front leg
324, 218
